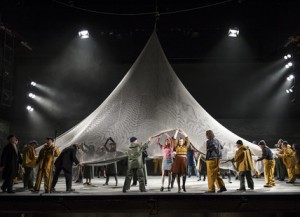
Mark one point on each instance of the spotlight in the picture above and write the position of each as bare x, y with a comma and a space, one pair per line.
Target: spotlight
233, 32
291, 90
290, 77
287, 91
33, 83
288, 56
29, 108
288, 65
84, 34
31, 95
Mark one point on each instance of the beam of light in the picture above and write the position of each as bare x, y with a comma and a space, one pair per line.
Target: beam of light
48, 105
47, 90
84, 34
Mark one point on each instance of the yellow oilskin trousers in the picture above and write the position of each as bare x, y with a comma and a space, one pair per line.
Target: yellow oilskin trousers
213, 174
43, 173
291, 173
269, 166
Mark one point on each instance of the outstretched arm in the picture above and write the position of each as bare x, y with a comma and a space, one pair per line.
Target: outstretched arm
183, 133
176, 133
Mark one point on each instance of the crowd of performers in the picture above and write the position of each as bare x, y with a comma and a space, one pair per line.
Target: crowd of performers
178, 162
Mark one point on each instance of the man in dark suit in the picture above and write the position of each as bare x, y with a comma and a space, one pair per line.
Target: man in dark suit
9, 164
65, 162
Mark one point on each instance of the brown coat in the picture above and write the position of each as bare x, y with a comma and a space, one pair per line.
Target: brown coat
243, 159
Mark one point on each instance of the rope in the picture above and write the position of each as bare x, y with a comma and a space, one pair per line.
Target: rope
144, 13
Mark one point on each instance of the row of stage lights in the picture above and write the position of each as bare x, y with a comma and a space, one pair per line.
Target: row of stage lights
31, 95
232, 32
291, 78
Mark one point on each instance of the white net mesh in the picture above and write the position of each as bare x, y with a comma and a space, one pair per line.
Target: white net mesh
148, 100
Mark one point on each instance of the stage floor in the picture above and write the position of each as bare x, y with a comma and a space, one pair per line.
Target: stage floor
110, 199
154, 183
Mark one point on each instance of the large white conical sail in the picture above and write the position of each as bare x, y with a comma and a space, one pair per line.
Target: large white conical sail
148, 100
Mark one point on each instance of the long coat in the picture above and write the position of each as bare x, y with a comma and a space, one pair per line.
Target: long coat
10, 160
66, 158
135, 151
46, 156
243, 159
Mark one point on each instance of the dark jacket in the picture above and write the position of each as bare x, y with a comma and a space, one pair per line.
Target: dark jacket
66, 158
214, 149
10, 160
266, 154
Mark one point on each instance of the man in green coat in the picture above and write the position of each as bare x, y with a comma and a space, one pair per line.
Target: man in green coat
135, 163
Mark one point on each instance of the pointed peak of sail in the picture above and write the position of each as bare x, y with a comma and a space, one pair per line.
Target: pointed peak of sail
149, 99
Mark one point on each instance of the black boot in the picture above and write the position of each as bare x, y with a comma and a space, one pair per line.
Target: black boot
178, 183
183, 184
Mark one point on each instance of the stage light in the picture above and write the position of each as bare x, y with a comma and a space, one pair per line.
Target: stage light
31, 95
287, 91
290, 63
290, 77
33, 83
29, 108
233, 32
288, 56
84, 34
291, 90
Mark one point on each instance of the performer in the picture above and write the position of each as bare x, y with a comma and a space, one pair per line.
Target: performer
213, 156
9, 165
201, 167
45, 162
180, 164
111, 169
269, 164
167, 149
88, 174
244, 165
135, 163
65, 162
134, 175
191, 161
29, 162
280, 168
288, 157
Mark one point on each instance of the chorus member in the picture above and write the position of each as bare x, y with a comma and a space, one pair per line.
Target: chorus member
29, 163
288, 157
65, 163
135, 164
269, 164
167, 149
244, 165
180, 163
45, 164
9, 164
213, 156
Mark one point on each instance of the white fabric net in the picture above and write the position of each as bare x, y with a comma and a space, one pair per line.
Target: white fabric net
148, 100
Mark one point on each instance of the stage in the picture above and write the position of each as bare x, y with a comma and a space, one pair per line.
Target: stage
95, 198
